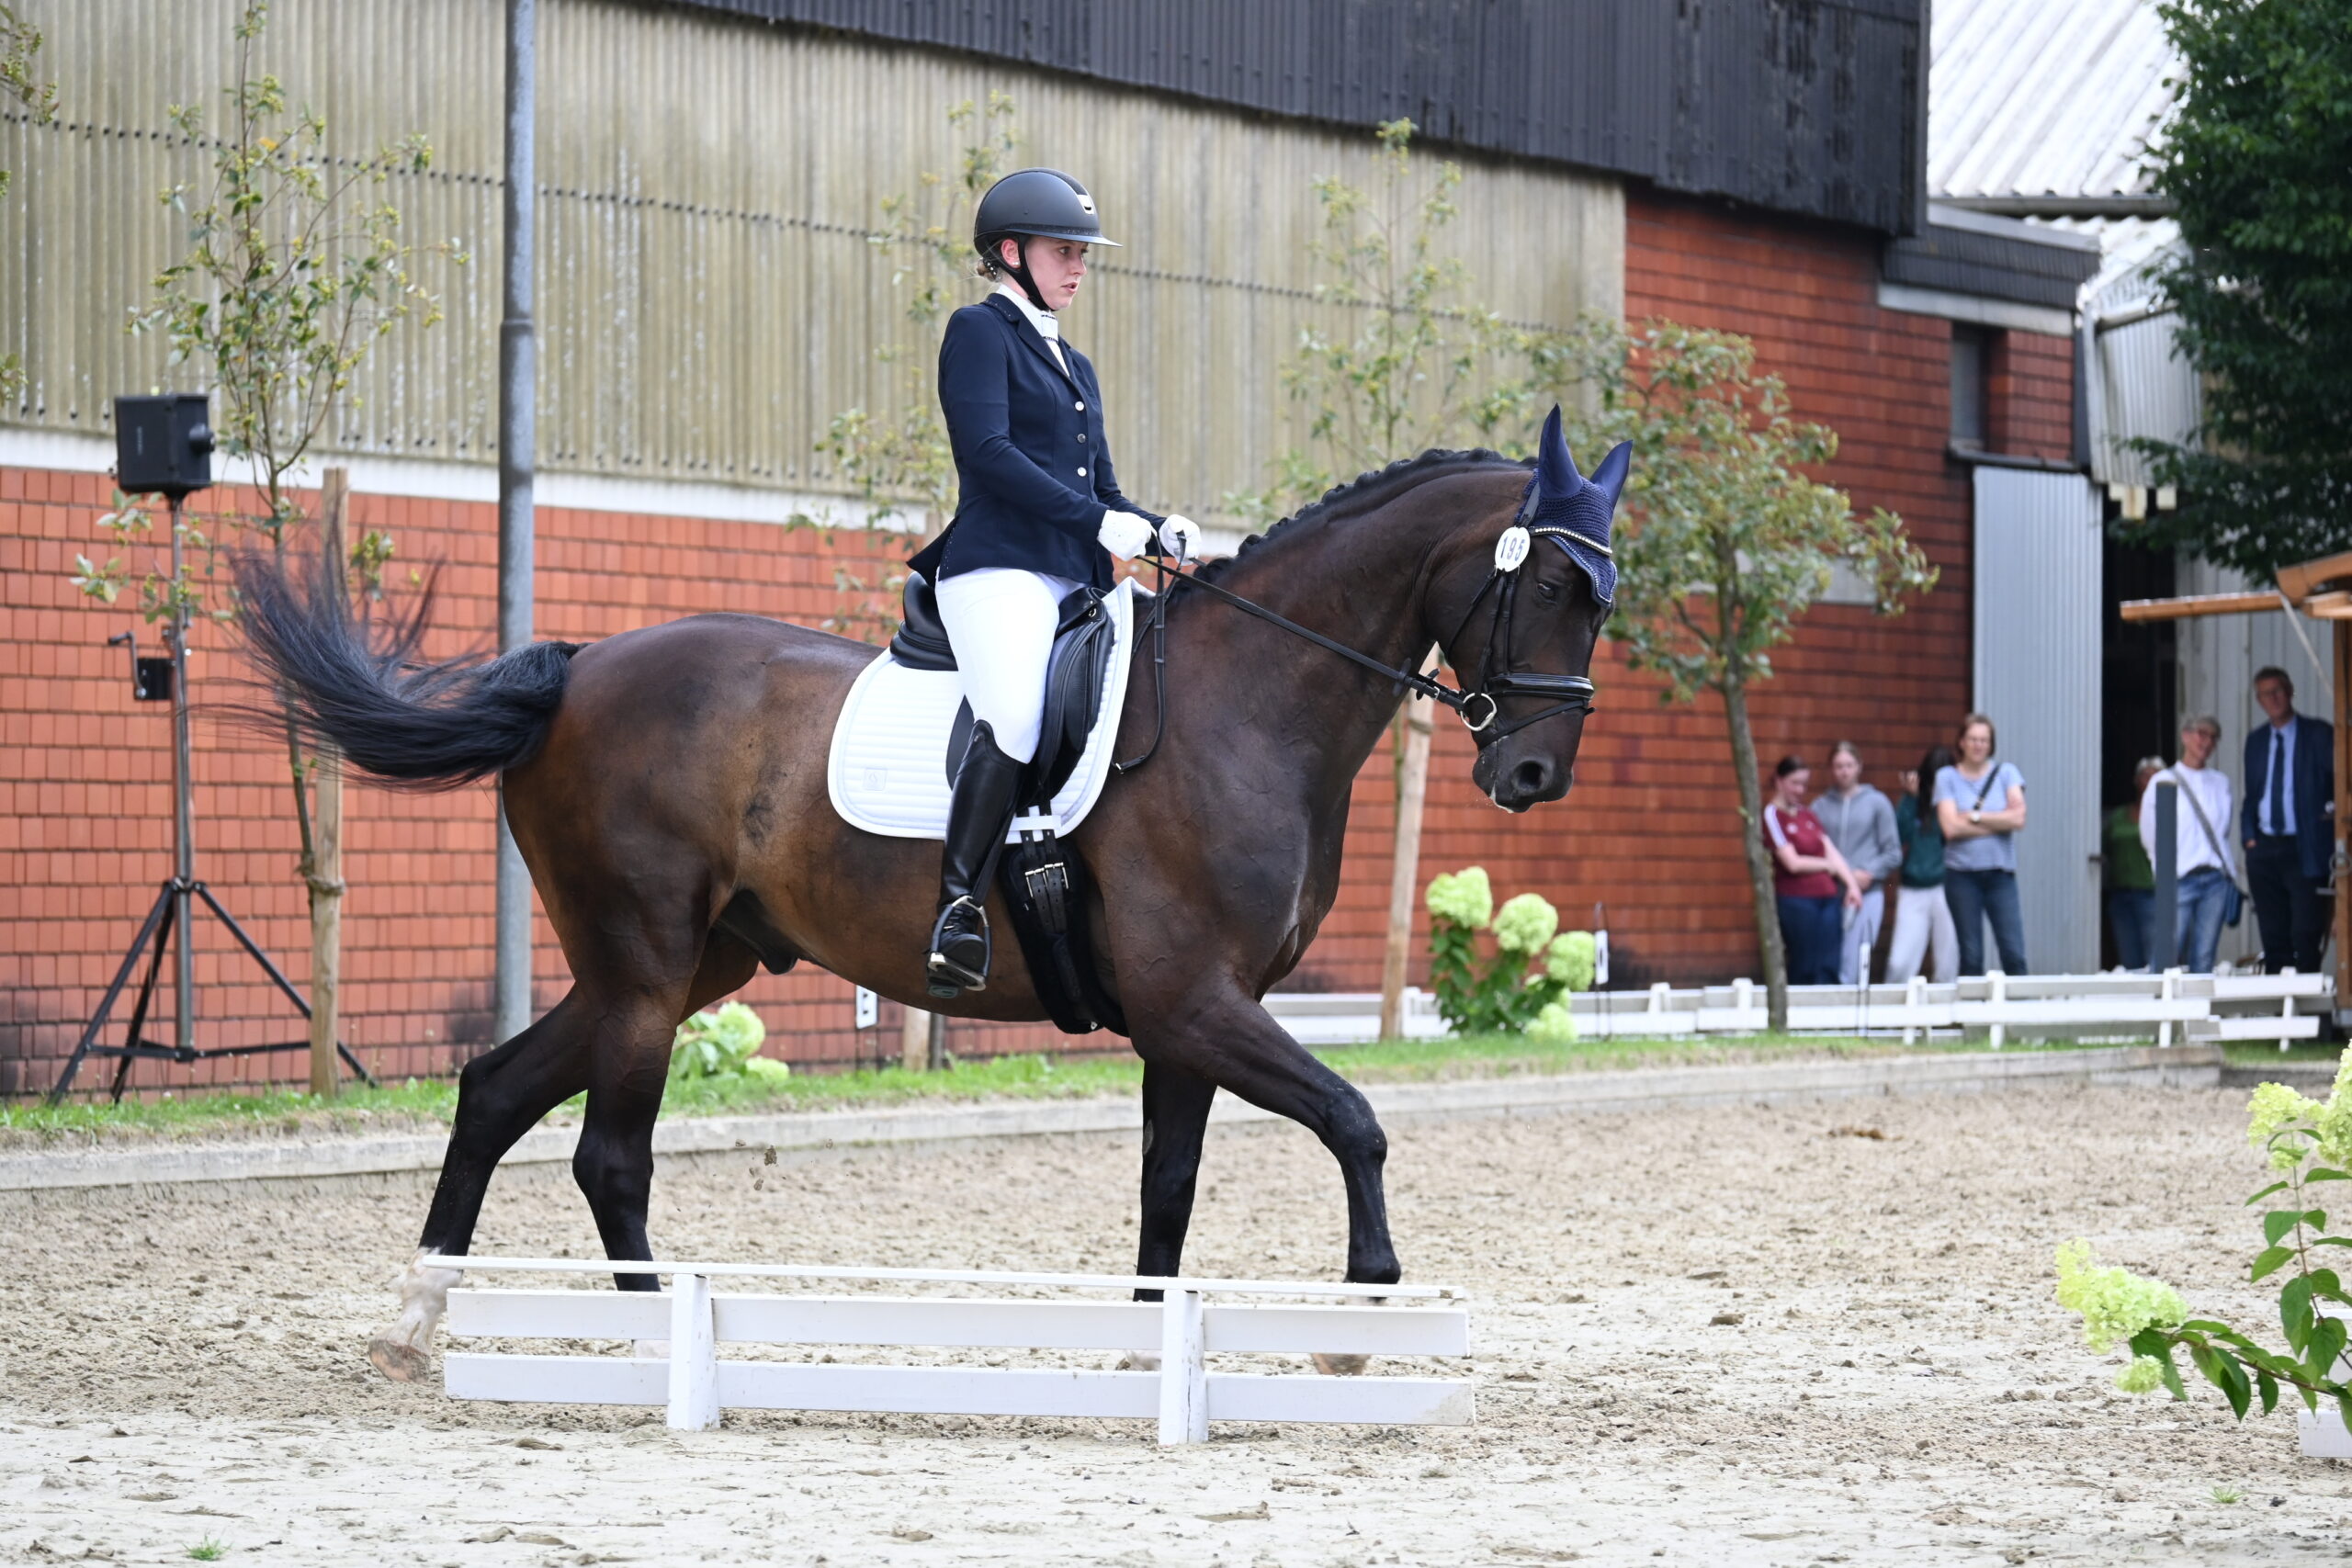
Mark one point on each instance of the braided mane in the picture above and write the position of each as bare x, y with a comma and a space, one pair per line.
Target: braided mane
1366, 492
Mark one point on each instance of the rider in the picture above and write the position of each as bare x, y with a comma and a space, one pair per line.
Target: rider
1039, 516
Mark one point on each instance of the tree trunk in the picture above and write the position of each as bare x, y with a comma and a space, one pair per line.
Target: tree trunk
1759, 859
1413, 731
324, 872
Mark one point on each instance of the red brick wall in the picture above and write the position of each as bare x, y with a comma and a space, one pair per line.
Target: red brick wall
86, 794
1651, 830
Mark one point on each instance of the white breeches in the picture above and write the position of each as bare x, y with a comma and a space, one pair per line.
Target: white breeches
1001, 621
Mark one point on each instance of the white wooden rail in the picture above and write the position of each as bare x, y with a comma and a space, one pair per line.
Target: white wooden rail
2169, 1008
1181, 1330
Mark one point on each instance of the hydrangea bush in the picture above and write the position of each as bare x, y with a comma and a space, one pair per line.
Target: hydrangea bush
723, 1043
1522, 986
2306, 1142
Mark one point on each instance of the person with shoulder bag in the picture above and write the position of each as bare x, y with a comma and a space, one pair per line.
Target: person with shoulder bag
1980, 808
2210, 897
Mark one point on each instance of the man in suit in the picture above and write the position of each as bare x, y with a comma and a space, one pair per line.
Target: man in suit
2289, 825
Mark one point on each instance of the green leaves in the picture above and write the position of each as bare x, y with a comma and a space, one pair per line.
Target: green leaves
2253, 159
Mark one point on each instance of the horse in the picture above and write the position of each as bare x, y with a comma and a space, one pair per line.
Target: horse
667, 789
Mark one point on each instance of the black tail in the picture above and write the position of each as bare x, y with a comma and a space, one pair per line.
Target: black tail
411, 725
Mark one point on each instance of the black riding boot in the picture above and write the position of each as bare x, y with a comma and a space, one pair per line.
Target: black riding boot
987, 787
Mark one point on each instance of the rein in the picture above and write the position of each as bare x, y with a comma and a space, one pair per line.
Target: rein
1497, 683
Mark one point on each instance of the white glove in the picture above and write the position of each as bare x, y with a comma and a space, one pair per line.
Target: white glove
1125, 535
1181, 537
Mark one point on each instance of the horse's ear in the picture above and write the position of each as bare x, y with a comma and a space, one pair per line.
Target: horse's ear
1610, 475
1555, 471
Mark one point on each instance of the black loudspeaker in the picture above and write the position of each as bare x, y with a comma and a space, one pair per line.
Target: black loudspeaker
162, 445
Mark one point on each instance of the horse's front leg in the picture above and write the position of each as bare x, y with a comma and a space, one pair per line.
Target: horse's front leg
1175, 1121
1231, 1042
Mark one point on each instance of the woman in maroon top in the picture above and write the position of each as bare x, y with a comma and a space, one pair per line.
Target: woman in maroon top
1809, 879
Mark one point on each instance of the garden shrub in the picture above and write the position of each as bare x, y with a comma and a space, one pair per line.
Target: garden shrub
1521, 987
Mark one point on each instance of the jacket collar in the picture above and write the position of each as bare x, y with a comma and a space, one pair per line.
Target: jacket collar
1027, 331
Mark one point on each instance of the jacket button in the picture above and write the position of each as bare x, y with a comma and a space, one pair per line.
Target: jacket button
1079, 407
1081, 436
1081, 473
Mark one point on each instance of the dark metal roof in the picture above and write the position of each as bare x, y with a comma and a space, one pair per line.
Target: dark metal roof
1996, 258
1811, 106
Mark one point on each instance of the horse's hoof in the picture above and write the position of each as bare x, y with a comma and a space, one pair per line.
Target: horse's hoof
1340, 1366
401, 1363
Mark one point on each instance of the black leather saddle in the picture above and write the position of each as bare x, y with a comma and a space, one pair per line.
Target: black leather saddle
1075, 675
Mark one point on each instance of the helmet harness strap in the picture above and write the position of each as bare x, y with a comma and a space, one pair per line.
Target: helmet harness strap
1018, 271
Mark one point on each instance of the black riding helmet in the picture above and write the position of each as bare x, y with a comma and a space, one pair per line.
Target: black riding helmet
1043, 204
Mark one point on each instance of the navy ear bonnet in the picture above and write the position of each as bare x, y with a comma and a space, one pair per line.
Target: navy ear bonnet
1574, 511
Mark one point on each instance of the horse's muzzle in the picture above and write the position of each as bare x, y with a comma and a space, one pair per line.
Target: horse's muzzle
1516, 785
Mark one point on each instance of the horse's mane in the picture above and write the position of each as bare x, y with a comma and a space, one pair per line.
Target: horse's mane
1364, 492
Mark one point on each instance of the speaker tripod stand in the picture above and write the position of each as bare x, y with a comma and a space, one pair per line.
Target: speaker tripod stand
170, 922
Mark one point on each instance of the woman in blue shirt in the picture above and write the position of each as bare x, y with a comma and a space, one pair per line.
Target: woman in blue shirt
1039, 514
1980, 805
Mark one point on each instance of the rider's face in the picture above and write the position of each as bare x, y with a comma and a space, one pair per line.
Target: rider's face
1056, 266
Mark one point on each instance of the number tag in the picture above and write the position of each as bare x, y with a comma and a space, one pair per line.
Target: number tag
1511, 550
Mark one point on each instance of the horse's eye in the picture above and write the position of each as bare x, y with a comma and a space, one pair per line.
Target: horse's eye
1547, 591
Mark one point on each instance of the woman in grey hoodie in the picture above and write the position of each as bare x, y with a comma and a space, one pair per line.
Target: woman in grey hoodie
1860, 822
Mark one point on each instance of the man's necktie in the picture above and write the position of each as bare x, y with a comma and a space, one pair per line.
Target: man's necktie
2275, 786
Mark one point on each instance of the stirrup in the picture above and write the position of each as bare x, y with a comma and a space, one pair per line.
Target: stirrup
949, 980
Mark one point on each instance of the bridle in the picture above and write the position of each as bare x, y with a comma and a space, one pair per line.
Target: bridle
1497, 682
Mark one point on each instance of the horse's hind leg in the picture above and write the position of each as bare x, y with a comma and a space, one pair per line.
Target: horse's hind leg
502, 1095
629, 1069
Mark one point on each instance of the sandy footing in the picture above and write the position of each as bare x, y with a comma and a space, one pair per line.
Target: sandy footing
1720, 1337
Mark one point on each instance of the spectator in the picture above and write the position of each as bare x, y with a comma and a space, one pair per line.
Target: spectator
1860, 822
2130, 880
2207, 880
2288, 821
1923, 927
1979, 805
1807, 873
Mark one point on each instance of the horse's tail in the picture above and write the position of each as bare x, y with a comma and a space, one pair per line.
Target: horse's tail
408, 723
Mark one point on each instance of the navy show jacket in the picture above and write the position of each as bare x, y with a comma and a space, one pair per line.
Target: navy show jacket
2310, 791
1032, 469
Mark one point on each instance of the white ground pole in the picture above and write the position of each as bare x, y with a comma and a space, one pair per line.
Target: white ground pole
1182, 1329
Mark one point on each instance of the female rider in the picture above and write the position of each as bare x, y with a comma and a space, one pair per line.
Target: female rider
1039, 516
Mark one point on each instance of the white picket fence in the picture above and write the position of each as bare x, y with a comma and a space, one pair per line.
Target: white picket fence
1181, 1330
2169, 1008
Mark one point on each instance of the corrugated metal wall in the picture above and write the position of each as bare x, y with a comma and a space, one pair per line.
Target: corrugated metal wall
710, 298
2038, 574
1804, 105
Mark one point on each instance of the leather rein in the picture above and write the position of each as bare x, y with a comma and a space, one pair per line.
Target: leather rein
1497, 680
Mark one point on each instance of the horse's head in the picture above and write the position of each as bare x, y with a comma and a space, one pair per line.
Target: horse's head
1518, 612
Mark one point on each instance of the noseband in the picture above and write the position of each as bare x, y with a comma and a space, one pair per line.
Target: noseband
1498, 681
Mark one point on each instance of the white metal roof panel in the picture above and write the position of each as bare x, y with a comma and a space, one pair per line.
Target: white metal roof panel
2037, 98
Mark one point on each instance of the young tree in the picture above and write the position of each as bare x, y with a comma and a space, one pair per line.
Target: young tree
1724, 542
900, 458
296, 264
19, 41
2255, 161
1427, 365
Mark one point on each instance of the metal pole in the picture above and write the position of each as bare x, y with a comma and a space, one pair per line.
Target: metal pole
2167, 846
517, 446
183, 808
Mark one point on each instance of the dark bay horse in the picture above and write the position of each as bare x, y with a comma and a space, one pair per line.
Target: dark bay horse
667, 788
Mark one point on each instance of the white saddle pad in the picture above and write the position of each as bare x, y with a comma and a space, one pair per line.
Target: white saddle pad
887, 774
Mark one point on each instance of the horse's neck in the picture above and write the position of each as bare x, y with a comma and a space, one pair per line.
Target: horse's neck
1359, 582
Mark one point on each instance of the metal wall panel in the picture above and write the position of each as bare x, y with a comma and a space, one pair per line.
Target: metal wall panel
709, 298
1804, 105
2038, 671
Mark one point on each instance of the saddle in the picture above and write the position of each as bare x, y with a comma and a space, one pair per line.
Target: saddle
1076, 673
1045, 882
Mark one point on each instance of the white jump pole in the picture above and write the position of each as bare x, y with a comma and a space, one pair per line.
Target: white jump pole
1183, 1369
694, 1355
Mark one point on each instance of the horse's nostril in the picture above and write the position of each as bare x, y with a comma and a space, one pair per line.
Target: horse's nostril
1530, 777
